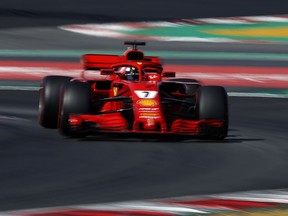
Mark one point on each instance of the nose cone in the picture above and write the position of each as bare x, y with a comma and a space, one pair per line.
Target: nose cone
151, 124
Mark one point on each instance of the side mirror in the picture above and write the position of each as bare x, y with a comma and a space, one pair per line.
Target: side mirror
169, 74
106, 71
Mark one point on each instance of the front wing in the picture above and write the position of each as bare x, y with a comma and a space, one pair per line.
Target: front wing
116, 123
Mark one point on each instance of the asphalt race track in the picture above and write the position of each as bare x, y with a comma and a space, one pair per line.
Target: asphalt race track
40, 168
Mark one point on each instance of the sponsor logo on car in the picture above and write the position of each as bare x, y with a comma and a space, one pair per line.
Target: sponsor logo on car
149, 109
149, 114
146, 102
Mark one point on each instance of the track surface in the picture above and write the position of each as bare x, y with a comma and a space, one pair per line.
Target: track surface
39, 168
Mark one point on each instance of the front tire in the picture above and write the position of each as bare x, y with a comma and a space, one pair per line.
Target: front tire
49, 100
75, 99
213, 105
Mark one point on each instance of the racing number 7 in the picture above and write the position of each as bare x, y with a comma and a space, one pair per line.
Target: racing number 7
146, 94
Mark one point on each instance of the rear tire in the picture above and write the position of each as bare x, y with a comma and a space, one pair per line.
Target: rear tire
75, 99
213, 105
49, 100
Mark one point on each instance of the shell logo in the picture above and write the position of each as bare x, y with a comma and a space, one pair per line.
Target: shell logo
146, 102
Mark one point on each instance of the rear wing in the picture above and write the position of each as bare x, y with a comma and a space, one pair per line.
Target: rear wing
99, 61
103, 61
152, 59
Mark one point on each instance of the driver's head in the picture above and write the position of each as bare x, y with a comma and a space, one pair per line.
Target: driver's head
131, 74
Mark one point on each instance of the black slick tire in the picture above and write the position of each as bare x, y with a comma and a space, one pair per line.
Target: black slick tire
49, 100
213, 105
75, 99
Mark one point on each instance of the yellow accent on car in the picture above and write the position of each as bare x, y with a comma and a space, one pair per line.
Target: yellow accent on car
147, 102
115, 91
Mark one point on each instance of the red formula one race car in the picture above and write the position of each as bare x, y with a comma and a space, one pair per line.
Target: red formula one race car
132, 95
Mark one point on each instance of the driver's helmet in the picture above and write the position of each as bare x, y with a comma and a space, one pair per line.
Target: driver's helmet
131, 74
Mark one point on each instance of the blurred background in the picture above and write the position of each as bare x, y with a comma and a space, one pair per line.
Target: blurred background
40, 168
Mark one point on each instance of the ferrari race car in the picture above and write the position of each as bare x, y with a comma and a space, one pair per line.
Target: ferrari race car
131, 94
